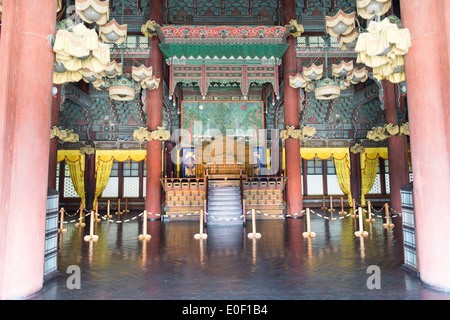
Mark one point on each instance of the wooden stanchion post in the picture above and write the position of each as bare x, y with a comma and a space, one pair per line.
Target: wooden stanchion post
308, 233
108, 210
118, 207
331, 205
388, 223
201, 235
324, 205
91, 236
361, 232
80, 222
254, 234
126, 206
144, 235
205, 212
61, 222
97, 219
354, 215
342, 212
369, 212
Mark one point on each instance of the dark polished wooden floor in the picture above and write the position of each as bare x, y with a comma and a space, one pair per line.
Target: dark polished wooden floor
281, 265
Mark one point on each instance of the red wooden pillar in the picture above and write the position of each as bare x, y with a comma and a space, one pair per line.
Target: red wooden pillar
154, 103
53, 154
89, 180
304, 167
355, 176
427, 78
397, 146
293, 184
324, 177
26, 66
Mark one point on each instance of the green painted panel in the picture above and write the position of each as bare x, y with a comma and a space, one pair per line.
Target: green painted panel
220, 50
198, 116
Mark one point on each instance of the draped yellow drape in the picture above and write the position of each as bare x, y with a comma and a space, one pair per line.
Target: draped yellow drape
323, 153
121, 155
369, 166
103, 171
343, 175
75, 161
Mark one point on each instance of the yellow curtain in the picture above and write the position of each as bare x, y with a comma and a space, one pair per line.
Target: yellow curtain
343, 175
121, 155
76, 169
374, 152
71, 155
323, 153
75, 161
102, 173
369, 166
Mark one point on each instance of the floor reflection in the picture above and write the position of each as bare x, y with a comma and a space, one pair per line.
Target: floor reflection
228, 265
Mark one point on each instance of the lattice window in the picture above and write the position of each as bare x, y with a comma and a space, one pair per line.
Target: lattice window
331, 168
130, 170
131, 187
316, 41
134, 42
115, 169
332, 180
388, 183
314, 184
333, 185
376, 188
112, 189
57, 176
314, 167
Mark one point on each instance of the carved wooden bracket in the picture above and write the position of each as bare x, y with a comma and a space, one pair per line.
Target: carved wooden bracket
389, 130
142, 134
300, 134
63, 135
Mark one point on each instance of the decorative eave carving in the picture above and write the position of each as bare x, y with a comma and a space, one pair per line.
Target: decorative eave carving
77, 96
222, 34
107, 145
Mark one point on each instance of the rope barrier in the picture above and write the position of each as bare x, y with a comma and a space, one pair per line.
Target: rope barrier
324, 216
96, 217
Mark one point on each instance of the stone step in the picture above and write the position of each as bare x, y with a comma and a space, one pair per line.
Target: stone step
229, 208
230, 197
224, 202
